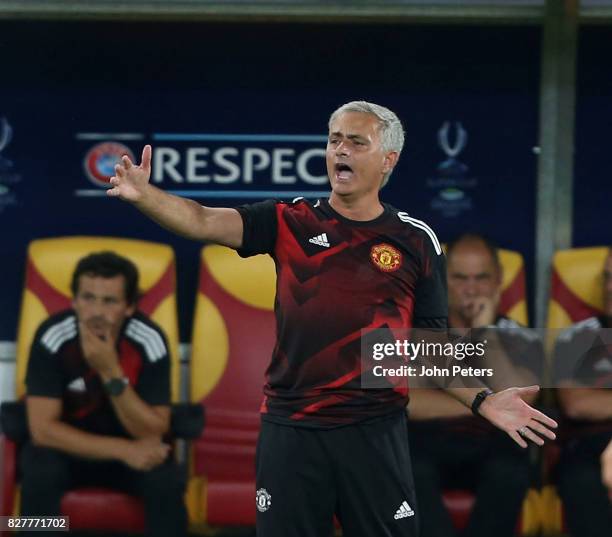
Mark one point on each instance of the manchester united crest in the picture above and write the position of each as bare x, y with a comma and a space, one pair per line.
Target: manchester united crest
386, 257
263, 500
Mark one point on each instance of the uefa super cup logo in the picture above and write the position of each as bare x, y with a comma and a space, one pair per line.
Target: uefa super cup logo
6, 134
452, 166
452, 181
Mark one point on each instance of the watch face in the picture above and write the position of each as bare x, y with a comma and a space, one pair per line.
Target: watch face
115, 386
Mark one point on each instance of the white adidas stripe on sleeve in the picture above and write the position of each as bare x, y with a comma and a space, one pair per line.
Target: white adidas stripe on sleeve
148, 338
59, 333
422, 225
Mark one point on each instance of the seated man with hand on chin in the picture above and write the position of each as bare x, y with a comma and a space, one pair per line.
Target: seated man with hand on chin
98, 400
446, 439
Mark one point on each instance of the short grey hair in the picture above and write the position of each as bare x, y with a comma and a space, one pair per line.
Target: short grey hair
391, 130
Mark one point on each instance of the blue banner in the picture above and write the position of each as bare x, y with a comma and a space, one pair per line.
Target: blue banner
228, 129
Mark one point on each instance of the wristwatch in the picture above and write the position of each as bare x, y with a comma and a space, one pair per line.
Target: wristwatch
116, 386
479, 399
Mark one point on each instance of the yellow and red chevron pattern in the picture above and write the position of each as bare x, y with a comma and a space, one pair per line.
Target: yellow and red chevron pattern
49, 267
513, 301
576, 285
233, 338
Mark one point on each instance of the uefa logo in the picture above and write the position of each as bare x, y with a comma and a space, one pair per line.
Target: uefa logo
101, 159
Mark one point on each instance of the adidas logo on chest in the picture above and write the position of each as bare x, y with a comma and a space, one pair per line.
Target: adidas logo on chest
320, 240
77, 385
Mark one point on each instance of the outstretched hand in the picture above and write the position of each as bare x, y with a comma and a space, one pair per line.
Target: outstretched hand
130, 181
508, 411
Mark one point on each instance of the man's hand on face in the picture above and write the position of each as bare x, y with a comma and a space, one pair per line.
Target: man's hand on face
99, 349
483, 310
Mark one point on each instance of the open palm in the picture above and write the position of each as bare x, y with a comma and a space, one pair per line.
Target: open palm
130, 181
508, 411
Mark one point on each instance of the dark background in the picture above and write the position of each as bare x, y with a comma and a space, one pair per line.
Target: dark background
61, 78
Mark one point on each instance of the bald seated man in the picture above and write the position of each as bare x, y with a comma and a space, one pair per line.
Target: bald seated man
446, 439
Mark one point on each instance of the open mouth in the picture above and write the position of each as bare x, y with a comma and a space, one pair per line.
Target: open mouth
343, 171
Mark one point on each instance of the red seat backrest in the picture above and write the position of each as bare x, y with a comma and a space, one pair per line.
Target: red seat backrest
233, 338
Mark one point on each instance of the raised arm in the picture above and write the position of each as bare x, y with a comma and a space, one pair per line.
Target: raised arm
180, 215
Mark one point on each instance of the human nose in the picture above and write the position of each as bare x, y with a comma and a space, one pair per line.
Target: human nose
96, 308
470, 288
342, 149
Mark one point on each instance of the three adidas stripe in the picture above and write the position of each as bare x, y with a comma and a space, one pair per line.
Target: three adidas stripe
320, 240
404, 511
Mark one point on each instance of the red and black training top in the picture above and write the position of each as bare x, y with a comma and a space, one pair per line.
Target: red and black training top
335, 277
57, 369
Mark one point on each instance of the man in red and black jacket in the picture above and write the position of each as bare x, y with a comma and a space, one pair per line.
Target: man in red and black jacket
344, 264
98, 400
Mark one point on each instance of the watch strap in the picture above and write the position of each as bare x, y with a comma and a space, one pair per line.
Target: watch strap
116, 385
479, 399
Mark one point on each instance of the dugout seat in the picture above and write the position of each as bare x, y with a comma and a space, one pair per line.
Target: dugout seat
575, 294
513, 299
513, 304
49, 268
576, 283
233, 338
